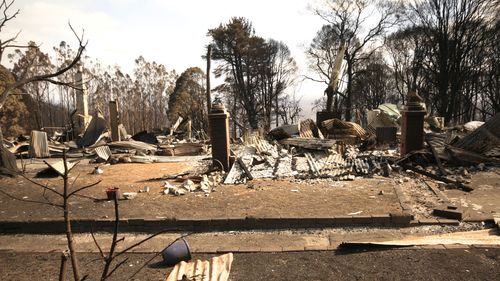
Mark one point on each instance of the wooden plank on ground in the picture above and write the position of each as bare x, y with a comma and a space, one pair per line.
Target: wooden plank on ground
310, 143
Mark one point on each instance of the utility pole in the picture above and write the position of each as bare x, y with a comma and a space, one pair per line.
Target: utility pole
209, 98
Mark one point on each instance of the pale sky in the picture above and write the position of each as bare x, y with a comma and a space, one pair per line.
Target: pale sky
172, 33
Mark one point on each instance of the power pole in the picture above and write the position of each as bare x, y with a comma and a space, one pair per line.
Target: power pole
209, 99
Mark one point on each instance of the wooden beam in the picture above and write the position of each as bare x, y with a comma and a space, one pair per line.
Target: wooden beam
460, 185
436, 157
245, 168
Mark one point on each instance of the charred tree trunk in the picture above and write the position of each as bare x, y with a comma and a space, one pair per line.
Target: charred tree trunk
348, 99
209, 98
329, 98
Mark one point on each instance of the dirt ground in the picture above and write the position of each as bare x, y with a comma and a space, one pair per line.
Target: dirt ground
267, 198
431, 264
484, 200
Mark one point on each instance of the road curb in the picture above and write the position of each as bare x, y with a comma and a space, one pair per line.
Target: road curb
205, 224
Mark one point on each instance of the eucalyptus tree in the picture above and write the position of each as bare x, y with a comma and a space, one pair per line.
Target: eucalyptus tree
188, 99
258, 71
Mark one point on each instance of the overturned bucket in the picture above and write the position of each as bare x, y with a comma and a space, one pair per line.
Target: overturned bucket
176, 252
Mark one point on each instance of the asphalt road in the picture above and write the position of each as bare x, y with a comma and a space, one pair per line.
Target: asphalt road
401, 264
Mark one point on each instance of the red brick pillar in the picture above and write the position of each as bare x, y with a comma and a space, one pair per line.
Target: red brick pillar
412, 124
219, 135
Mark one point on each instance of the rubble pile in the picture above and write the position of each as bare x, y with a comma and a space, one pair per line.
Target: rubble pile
334, 149
306, 159
95, 143
292, 151
205, 183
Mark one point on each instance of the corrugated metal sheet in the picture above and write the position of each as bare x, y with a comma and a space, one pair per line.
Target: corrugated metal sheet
131, 144
483, 140
95, 129
59, 166
103, 152
216, 269
338, 127
39, 146
306, 128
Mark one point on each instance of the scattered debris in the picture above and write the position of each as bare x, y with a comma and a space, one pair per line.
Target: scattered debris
496, 219
97, 171
450, 212
126, 146
39, 146
472, 125
284, 132
56, 169
309, 143
189, 185
103, 152
129, 195
457, 183
176, 124
386, 115
343, 130
485, 139
94, 131
146, 137
308, 129
183, 149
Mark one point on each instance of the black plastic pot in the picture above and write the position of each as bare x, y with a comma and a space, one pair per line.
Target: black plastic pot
176, 252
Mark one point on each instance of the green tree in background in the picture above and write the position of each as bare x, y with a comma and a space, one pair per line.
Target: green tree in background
188, 99
257, 72
14, 113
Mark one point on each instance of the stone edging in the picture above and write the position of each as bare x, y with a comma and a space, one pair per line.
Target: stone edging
206, 224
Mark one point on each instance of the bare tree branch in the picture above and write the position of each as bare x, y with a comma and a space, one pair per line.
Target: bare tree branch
5, 6
47, 77
83, 188
111, 256
306, 77
27, 200
97, 244
45, 187
116, 267
144, 265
